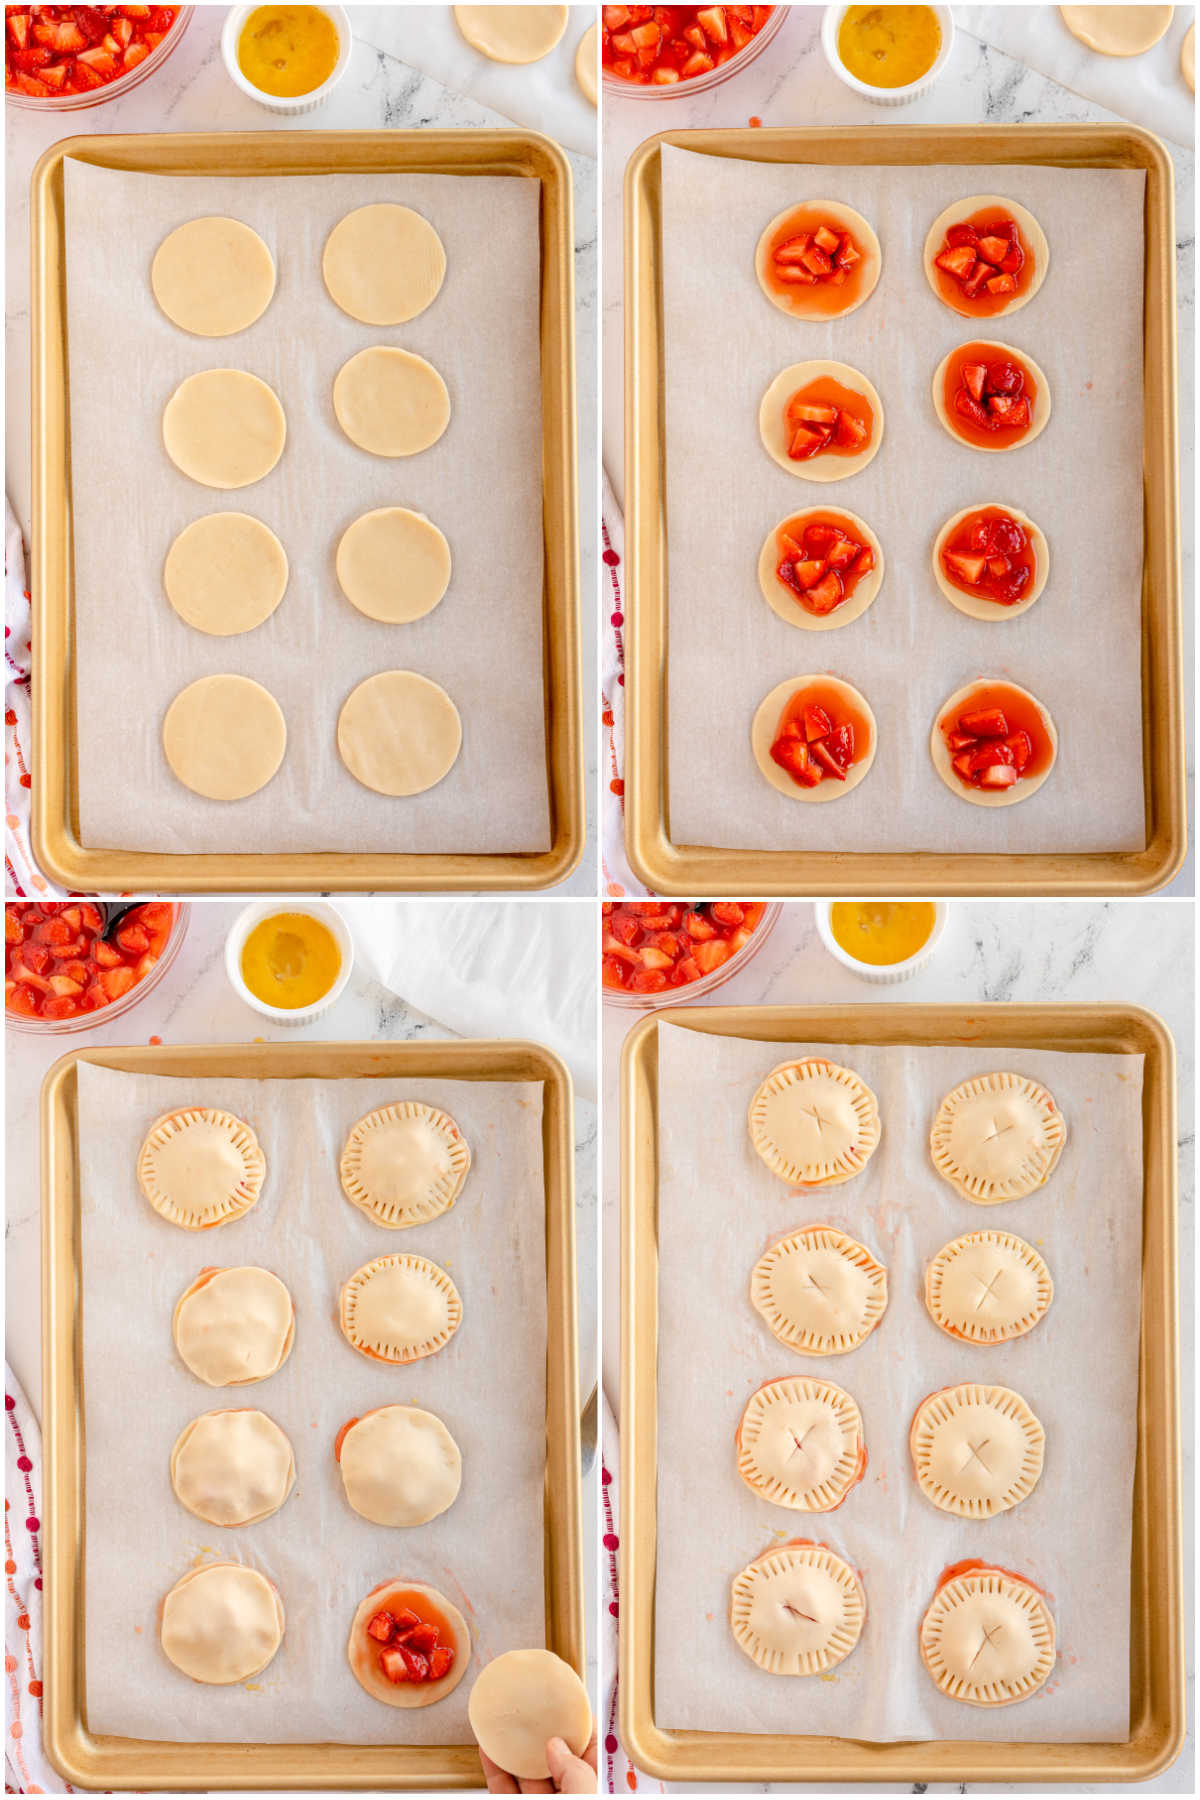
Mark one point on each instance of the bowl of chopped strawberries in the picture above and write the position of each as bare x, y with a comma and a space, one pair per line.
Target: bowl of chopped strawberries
63, 58
650, 52
659, 952
67, 966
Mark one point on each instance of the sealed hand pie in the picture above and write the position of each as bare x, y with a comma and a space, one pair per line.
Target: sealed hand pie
221, 1623
797, 1609
819, 1291
987, 1287
399, 1465
408, 1646
234, 1326
200, 1167
404, 1164
813, 1122
997, 1137
988, 1636
232, 1468
521, 1700
800, 1444
976, 1451
398, 1309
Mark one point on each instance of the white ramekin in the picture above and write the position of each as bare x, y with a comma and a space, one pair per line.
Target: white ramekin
883, 974
231, 31
885, 96
244, 924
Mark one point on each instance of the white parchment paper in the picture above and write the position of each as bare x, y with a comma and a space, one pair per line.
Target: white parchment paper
488, 1385
720, 1207
1078, 649
481, 483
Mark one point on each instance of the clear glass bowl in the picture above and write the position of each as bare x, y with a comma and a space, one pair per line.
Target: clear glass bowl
90, 1021
696, 990
699, 84
112, 90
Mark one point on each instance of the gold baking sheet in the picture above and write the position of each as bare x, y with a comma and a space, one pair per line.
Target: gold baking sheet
668, 867
55, 811
1157, 1697
126, 1764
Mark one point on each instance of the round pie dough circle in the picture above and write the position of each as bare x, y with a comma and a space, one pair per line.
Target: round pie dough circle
234, 1326
977, 1451
200, 1167
404, 1164
221, 1623
975, 605
521, 1700
957, 214
800, 1444
399, 1466
943, 760
988, 1638
766, 721
225, 573
813, 1122
512, 34
224, 428
398, 1309
233, 1467
383, 264
1117, 30
405, 1694
393, 565
987, 1288
390, 402
1001, 351
213, 276
797, 1610
1187, 58
819, 1291
841, 218
771, 426
997, 1137
780, 598
224, 736
399, 733
586, 60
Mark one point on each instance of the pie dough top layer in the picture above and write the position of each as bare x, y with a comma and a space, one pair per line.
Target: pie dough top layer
997, 1137
200, 1167
997, 352
587, 58
399, 733
1031, 232
819, 1291
234, 1326
222, 1623
976, 1451
988, 1638
225, 573
399, 1465
361, 1657
988, 1287
512, 34
772, 431
765, 725
224, 736
213, 276
797, 1609
400, 1308
779, 596
404, 1164
232, 1468
224, 428
383, 264
1117, 30
800, 1444
978, 606
798, 300
520, 1700
940, 751
814, 1122
390, 401
393, 565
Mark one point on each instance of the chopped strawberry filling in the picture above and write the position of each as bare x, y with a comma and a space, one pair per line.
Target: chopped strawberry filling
411, 1646
651, 946
815, 421
823, 257
812, 748
822, 561
74, 49
661, 45
984, 261
57, 966
993, 746
989, 393
990, 555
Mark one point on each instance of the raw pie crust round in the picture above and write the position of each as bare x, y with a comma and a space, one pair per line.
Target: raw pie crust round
977, 1451
200, 1167
987, 1287
797, 1609
1000, 351
780, 598
404, 1164
825, 467
1117, 30
997, 1137
225, 573
213, 276
586, 60
383, 264
766, 722
390, 402
405, 1694
800, 1444
233, 1467
224, 736
393, 565
234, 1326
399, 733
841, 218
224, 428
819, 1291
398, 1309
521, 1700
943, 761
988, 1638
512, 34
221, 1623
977, 606
957, 214
813, 1122
399, 1466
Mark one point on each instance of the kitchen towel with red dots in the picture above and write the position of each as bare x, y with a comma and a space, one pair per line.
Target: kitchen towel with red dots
619, 878
617, 1773
21, 872
26, 1770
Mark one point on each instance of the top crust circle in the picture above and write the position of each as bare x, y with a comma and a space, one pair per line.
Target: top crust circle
404, 1164
199, 1167
997, 1137
813, 1122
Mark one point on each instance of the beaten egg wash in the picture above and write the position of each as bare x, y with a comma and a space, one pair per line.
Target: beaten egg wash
288, 51
290, 960
889, 46
882, 932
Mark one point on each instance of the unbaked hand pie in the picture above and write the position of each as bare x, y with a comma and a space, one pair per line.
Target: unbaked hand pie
997, 1137
988, 1636
399, 1465
404, 1164
232, 1468
797, 1609
800, 1444
520, 1701
993, 743
977, 1451
408, 1646
398, 1309
991, 562
383, 264
221, 1623
213, 276
821, 420
813, 737
200, 1167
814, 1122
234, 1326
224, 428
820, 260
819, 1291
987, 1288
820, 568
990, 396
985, 255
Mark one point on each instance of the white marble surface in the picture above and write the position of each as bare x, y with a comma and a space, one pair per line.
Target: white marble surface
1141, 953
384, 88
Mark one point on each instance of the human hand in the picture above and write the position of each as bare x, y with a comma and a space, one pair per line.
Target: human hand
568, 1774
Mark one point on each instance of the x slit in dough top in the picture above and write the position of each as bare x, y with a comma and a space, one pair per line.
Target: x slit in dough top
213, 276
797, 1610
404, 1164
383, 264
819, 1291
997, 1137
398, 1309
813, 1122
200, 1167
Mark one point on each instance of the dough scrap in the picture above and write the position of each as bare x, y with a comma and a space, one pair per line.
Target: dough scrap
797, 1609
800, 1444
393, 565
399, 1466
987, 1638
771, 429
1117, 30
200, 1167
797, 301
213, 276
819, 1291
997, 1137
519, 1701
977, 1451
958, 213
987, 1287
813, 1122
398, 1309
977, 606
404, 1164
765, 724
997, 352
225, 573
221, 1623
233, 1467
234, 1326
224, 736
361, 1648
782, 600
390, 402
399, 733
512, 34
587, 59
383, 264
224, 428
942, 755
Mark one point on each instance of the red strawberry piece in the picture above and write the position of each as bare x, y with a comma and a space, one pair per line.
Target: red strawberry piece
54, 931
828, 761
29, 84
116, 982
61, 1006
135, 54
998, 567
1012, 586
851, 431
974, 377
793, 758
789, 549
648, 981
14, 931
810, 412
818, 537
133, 939
975, 280
423, 1637
967, 568
817, 723
698, 927
1005, 378
988, 756
36, 957
1021, 746
816, 261
394, 1667
415, 1662
1005, 537
1007, 228
993, 249
841, 553
971, 409
988, 723
792, 250
840, 744
980, 539
18, 27
104, 956
838, 278
443, 1657
961, 740
808, 573
382, 1627
826, 595
962, 234
1002, 284
1000, 775
20, 1000
958, 262
711, 956
864, 562
828, 240
1018, 414
848, 253
728, 912
1014, 259
806, 442
962, 765
796, 276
